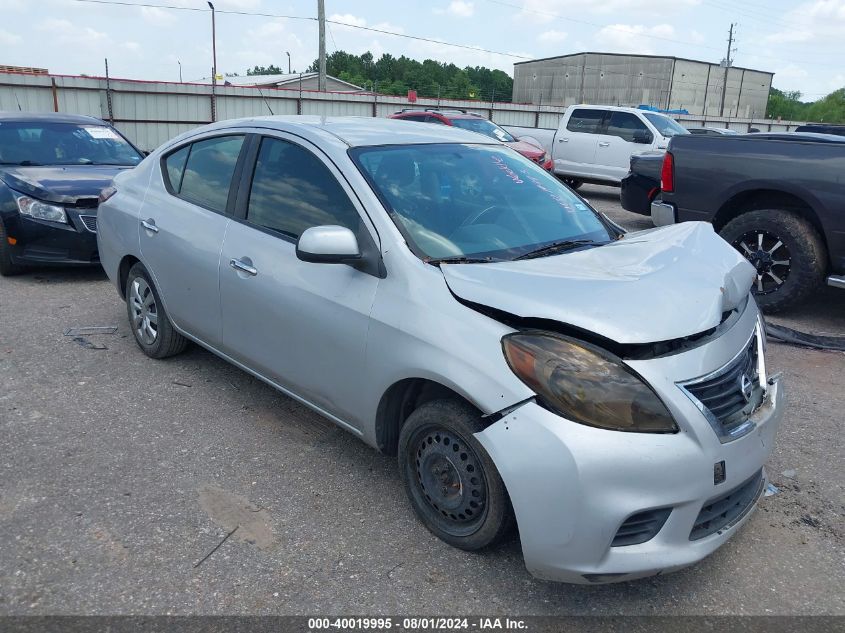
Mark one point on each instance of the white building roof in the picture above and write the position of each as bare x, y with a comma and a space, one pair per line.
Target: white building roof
279, 81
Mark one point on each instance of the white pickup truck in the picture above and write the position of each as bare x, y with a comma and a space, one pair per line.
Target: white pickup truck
595, 143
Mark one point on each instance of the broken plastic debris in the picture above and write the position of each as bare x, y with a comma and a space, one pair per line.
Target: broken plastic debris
771, 490
91, 329
84, 342
789, 474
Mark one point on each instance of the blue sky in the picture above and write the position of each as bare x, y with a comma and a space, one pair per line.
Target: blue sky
800, 41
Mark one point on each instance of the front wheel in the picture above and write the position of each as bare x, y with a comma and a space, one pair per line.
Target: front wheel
452, 483
153, 331
786, 251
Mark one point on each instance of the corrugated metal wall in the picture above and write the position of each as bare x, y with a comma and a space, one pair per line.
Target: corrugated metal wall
632, 80
150, 113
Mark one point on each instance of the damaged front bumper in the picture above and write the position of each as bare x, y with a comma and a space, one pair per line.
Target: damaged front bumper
580, 493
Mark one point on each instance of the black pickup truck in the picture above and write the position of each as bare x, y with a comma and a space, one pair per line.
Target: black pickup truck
777, 198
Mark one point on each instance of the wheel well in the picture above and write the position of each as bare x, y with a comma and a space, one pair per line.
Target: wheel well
123, 271
765, 199
399, 401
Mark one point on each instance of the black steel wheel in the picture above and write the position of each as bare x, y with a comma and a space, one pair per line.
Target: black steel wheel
450, 480
786, 251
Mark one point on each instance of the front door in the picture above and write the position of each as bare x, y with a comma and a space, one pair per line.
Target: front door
302, 325
616, 145
183, 222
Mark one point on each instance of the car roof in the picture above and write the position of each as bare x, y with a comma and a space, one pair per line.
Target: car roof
52, 117
614, 108
445, 113
360, 131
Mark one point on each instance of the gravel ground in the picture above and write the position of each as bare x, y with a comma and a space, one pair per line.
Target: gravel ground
119, 475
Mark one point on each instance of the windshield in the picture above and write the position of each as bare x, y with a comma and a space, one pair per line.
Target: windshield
49, 143
485, 127
475, 201
666, 126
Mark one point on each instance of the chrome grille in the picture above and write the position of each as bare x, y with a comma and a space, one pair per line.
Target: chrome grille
90, 222
730, 395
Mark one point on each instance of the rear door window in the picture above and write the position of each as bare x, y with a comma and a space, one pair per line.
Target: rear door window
585, 121
175, 168
208, 171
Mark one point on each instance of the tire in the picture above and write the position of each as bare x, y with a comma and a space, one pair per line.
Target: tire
787, 251
7, 267
452, 483
152, 329
572, 183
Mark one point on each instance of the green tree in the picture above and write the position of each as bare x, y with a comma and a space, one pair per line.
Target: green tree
830, 109
264, 70
786, 105
430, 78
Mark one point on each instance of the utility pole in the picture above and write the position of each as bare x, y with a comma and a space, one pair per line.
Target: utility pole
213, 65
108, 95
288, 54
727, 61
321, 19
180, 70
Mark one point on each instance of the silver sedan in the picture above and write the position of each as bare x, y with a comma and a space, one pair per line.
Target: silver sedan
449, 302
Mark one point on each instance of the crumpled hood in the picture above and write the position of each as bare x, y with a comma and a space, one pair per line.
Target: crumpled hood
62, 184
650, 286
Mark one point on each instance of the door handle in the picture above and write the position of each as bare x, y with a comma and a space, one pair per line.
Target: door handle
150, 225
604, 144
563, 140
242, 266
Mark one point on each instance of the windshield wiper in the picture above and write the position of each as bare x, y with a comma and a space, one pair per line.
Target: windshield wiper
23, 163
555, 247
459, 259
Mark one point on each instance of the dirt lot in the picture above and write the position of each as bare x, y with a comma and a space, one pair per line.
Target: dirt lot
119, 474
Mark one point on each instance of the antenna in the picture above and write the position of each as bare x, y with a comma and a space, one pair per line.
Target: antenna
265, 102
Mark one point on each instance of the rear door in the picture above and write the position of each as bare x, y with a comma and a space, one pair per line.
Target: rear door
616, 144
182, 224
302, 325
574, 151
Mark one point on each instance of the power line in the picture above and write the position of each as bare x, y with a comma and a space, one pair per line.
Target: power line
650, 36
313, 19
597, 25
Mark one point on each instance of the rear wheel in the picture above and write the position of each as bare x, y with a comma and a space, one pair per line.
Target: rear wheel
450, 480
786, 251
150, 325
572, 183
7, 267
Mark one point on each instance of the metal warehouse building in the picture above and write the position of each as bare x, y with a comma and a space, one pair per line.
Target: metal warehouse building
664, 82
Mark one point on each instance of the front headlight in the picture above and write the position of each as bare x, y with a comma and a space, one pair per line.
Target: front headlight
40, 210
585, 384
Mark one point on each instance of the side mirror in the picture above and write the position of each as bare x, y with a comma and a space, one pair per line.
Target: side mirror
643, 136
327, 245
